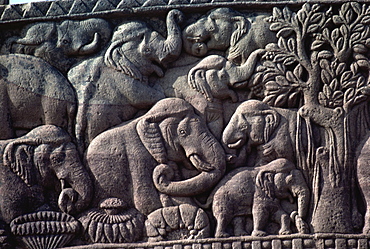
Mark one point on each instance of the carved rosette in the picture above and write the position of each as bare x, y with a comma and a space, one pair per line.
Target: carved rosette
179, 222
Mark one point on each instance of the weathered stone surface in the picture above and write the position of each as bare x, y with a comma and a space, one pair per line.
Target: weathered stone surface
185, 124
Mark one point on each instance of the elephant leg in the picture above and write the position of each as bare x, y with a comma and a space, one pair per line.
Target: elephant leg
282, 218
260, 218
223, 220
239, 226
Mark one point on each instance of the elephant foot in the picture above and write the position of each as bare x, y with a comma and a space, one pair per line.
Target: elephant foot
240, 232
285, 232
155, 239
259, 233
222, 235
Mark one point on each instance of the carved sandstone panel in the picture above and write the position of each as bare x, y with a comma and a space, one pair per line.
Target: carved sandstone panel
139, 123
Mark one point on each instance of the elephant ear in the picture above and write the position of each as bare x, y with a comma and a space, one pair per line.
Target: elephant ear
241, 26
148, 127
21, 163
272, 119
114, 58
265, 186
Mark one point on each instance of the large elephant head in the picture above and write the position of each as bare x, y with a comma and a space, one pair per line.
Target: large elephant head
252, 123
171, 131
137, 50
219, 29
83, 37
45, 156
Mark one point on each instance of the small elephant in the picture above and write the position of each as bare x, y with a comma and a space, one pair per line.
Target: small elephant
258, 191
144, 161
38, 165
226, 29
113, 88
33, 93
58, 42
264, 133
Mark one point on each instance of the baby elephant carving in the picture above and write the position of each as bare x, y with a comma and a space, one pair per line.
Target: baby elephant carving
259, 191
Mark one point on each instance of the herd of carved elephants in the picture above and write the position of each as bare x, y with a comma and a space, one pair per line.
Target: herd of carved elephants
130, 132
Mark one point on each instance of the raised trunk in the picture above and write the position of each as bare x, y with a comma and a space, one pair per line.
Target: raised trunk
173, 44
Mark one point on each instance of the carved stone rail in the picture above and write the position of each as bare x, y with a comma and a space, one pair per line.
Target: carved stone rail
319, 241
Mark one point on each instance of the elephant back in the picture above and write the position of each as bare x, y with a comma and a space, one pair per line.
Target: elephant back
37, 76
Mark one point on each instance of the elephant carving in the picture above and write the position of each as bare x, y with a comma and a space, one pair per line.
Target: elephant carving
261, 133
114, 87
40, 169
156, 160
33, 93
226, 29
56, 42
258, 192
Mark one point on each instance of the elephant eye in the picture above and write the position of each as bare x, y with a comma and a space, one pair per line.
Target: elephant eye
182, 132
65, 41
57, 159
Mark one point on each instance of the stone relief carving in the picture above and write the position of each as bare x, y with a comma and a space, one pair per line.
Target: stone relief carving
180, 125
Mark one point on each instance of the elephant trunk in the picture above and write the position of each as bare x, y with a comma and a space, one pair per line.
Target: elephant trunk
303, 201
232, 136
300, 189
171, 47
91, 47
77, 196
212, 166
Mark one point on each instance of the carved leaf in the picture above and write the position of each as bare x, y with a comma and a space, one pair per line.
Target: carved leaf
277, 26
298, 71
349, 16
291, 77
360, 82
356, 7
334, 85
289, 61
346, 76
282, 43
284, 32
359, 48
302, 15
317, 44
358, 28
317, 17
349, 94
313, 28
340, 68
281, 100
335, 34
276, 12
325, 54
287, 14
292, 45
366, 20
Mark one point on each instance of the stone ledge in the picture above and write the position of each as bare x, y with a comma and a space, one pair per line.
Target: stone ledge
294, 241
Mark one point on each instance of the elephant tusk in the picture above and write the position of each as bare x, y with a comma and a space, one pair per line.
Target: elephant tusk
199, 164
237, 144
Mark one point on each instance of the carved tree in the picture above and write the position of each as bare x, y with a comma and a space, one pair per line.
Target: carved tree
320, 65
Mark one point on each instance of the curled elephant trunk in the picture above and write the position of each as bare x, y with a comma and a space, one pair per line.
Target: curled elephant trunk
211, 172
92, 47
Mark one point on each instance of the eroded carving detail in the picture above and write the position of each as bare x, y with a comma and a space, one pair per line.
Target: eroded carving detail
157, 128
